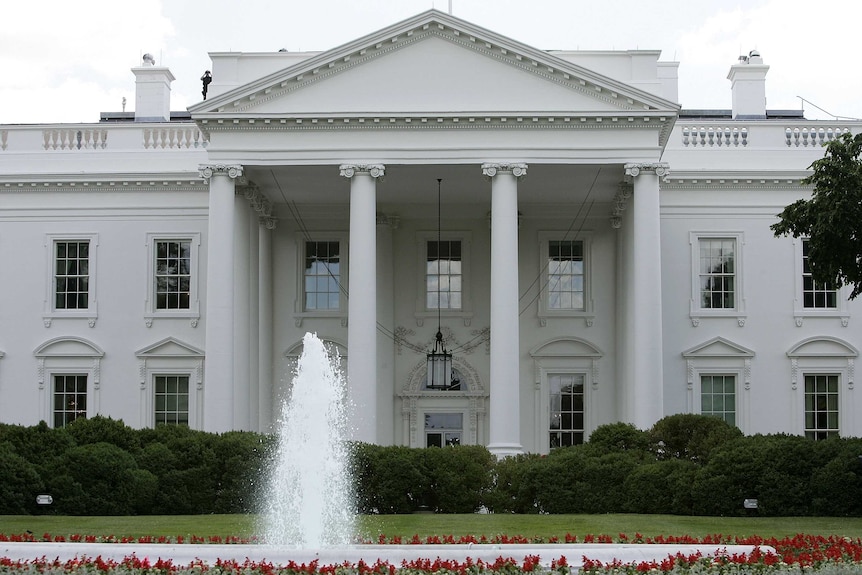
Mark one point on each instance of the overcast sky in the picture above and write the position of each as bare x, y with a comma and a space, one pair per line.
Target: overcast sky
67, 61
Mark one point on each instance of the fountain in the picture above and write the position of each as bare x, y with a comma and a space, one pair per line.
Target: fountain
309, 515
309, 502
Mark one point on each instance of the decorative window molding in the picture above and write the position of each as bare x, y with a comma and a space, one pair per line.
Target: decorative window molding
170, 356
152, 310
800, 310
587, 309
564, 356
698, 310
719, 356
300, 311
823, 355
68, 356
51, 310
423, 311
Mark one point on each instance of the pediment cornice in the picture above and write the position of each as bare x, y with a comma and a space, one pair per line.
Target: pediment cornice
241, 102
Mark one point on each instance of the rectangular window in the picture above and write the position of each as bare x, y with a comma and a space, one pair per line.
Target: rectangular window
821, 406
322, 276
717, 273
172, 399
71, 274
173, 274
567, 409
815, 295
565, 275
718, 397
70, 399
443, 275
443, 429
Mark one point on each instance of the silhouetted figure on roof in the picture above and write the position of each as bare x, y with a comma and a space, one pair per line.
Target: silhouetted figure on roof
206, 79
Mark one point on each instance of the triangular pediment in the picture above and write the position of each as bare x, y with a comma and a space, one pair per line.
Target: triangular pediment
432, 64
169, 347
718, 347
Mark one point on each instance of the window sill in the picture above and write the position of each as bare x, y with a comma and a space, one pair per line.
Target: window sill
739, 316
298, 318
193, 317
799, 316
422, 316
89, 315
588, 316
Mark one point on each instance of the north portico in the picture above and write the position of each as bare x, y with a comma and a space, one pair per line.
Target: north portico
345, 147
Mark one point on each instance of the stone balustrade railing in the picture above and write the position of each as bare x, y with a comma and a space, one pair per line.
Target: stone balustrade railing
84, 137
742, 135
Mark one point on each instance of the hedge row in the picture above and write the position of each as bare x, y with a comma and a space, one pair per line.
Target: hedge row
685, 464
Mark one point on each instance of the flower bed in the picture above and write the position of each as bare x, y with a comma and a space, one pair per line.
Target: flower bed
799, 554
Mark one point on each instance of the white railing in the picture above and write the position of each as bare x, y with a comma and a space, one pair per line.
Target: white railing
711, 136
97, 137
174, 138
815, 137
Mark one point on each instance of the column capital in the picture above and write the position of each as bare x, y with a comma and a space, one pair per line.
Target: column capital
207, 171
373, 170
268, 222
660, 169
490, 169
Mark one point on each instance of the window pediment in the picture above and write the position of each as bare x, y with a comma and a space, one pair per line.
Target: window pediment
823, 346
718, 347
68, 347
170, 347
566, 347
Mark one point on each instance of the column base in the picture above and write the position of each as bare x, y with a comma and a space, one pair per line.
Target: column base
504, 450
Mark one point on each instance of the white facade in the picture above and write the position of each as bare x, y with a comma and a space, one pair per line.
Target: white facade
605, 256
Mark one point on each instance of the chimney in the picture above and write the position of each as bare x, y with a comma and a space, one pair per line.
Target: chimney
748, 86
152, 91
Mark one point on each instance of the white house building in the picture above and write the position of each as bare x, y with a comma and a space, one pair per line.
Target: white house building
590, 251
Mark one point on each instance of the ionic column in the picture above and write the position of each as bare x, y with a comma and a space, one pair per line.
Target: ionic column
386, 224
264, 310
362, 302
645, 314
218, 386
505, 414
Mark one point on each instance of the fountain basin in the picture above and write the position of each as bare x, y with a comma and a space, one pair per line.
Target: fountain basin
183, 554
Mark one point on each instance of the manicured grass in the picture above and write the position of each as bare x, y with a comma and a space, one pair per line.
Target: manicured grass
428, 524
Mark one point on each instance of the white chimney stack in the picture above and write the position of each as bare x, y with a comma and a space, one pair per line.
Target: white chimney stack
748, 86
152, 91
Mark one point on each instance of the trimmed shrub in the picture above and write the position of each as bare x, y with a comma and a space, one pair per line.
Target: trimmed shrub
620, 436
690, 436
511, 488
19, 482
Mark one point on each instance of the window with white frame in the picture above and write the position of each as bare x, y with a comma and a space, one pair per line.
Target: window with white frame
71, 280
71, 274
443, 275
815, 295
171, 400
69, 398
718, 396
565, 275
443, 429
173, 262
173, 274
717, 273
322, 276
567, 409
821, 405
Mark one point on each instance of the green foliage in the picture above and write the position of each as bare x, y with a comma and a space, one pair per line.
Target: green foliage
690, 436
831, 218
619, 437
661, 487
458, 477
512, 490
99, 479
101, 429
19, 482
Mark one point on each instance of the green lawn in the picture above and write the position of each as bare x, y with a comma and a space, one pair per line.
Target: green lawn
424, 525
